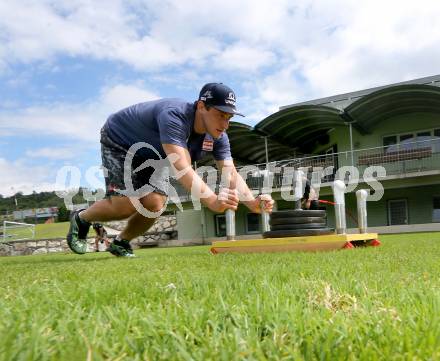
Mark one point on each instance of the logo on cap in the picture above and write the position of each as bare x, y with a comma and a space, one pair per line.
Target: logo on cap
230, 99
220, 97
206, 95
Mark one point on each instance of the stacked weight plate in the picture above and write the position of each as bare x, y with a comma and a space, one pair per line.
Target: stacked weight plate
297, 223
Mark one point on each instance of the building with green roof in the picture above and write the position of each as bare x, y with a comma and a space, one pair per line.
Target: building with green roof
396, 127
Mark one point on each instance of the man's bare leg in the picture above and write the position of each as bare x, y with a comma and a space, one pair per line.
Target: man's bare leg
137, 223
113, 209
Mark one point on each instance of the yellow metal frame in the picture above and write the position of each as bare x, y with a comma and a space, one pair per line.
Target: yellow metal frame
284, 244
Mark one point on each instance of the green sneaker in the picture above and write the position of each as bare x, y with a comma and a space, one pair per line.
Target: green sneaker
121, 248
77, 236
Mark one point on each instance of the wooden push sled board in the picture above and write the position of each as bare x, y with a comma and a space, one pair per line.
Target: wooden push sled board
328, 242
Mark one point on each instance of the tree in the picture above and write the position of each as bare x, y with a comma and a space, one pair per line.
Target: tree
63, 214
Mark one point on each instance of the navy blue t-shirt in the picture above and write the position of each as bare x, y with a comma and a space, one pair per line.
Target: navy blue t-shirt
164, 121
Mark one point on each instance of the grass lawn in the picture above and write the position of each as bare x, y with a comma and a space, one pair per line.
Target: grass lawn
51, 230
183, 304
55, 230
44, 231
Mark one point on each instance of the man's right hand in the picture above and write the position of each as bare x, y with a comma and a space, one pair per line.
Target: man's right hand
226, 199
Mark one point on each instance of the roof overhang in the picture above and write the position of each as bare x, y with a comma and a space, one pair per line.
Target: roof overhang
300, 125
248, 146
372, 109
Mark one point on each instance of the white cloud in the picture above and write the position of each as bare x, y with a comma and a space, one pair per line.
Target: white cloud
18, 176
274, 52
242, 57
173, 34
53, 153
80, 121
60, 120
334, 47
122, 95
375, 44
337, 45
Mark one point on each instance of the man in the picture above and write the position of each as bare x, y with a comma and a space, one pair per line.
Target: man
170, 127
101, 236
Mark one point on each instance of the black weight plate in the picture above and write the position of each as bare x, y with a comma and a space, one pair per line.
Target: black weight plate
298, 233
286, 227
298, 213
294, 220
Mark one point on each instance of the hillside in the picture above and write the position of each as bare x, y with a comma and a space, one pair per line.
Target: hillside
34, 200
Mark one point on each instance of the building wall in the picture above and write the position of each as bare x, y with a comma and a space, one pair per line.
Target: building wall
419, 204
189, 224
403, 124
418, 191
396, 125
240, 221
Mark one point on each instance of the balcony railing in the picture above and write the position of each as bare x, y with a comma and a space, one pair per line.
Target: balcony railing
406, 158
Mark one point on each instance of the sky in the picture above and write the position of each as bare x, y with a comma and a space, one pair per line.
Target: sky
66, 65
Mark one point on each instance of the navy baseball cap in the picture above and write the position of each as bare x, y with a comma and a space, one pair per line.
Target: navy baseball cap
219, 96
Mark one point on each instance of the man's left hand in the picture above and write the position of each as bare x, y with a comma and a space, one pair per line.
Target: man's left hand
263, 202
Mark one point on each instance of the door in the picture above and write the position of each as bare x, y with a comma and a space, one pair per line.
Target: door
397, 212
220, 225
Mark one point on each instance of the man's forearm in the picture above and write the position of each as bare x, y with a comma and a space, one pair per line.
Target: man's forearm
192, 182
181, 164
244, 193
232, 179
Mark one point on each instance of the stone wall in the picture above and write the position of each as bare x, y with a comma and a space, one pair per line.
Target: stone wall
162, 234
42, 246
163, 230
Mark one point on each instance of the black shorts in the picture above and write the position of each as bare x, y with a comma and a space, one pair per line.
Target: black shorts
113, 158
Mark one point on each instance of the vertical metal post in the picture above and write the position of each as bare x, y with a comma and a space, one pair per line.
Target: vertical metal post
361, 196
230, 225
339, 198
202, 223
265, 227
267, 153
265, 222
351, 143
230, 183
298, 177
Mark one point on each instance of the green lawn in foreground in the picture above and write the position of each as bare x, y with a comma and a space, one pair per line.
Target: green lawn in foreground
183, 303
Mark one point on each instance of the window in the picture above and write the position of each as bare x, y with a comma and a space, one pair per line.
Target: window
424, 134
405, 137
390, 140
220, 225
252, 223
436, 209
406, 141
397, 212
